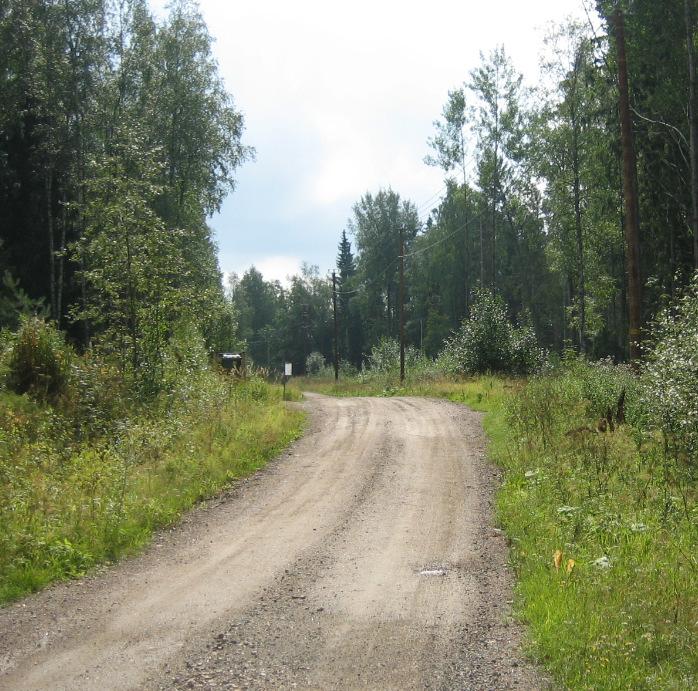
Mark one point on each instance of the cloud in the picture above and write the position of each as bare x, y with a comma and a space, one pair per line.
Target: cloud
273, 268
339, 98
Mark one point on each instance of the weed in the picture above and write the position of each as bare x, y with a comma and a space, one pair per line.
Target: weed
69, 502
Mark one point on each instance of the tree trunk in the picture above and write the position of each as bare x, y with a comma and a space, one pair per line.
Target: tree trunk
466, 232
581, 287
482, 255
48, 190
632, 241
61, 260
132, 315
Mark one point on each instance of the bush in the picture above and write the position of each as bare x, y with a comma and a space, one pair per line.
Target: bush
670, 374
384, 361
384, 357
38, 361
489, 342
314, 363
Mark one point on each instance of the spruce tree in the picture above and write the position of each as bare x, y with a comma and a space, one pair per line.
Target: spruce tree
350, 325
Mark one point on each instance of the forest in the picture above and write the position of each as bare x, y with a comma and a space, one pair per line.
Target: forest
119, 140
532, 209
550, 283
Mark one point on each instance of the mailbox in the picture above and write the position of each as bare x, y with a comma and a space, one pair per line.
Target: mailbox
231, 362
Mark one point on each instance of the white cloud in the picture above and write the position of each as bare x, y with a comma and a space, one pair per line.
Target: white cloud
279, 268
273, 268
339, 98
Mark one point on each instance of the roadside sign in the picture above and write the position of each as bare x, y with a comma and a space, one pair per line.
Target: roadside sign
288, 369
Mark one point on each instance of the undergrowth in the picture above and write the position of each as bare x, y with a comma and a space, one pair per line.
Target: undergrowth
87, 473
604, 531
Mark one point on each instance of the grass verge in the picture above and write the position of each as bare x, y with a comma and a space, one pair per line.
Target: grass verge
65, 507
603, 528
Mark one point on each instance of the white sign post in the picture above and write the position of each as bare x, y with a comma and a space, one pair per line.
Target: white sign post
288, 373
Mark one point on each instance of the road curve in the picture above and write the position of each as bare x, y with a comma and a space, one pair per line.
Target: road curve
364, 557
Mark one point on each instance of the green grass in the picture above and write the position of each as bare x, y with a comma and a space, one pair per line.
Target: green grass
65, 507
480, 393
625, 616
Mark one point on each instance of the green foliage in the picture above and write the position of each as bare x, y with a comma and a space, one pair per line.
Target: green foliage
449, 142
670, 375
622, 614
384, 359
314, 363
118, 140
15, 303
38, 361
69, 501
376, 225
488, 342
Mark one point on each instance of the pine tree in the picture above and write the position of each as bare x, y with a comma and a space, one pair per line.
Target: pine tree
346, 265
350, 325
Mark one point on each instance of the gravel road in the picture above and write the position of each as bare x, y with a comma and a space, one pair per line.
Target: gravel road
363, 557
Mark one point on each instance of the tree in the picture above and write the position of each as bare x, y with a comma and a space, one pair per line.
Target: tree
129, 258
497, 89
449, 144
305, 321
83, 82
565, 136
349, 317
376, 227
257, 303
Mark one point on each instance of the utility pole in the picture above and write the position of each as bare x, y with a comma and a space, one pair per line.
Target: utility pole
482, 255
693, 126
336, 332
632, 232
466, 235
402, 304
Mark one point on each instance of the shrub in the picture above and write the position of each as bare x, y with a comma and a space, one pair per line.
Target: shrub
38, 361
488, 342
96, 398
314, 363
384, 360
670, 374
384, 357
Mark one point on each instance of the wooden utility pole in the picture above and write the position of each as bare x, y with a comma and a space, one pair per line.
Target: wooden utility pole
632, 232
693, 126
576, 186
402, 304
466, 235
482, 255
336, 332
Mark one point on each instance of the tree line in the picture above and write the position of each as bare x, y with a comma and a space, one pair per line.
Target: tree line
533, 203
117, 140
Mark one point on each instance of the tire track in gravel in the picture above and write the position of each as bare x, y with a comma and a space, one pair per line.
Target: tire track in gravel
364, 557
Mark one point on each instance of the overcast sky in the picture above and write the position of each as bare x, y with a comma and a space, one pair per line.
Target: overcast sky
339, 99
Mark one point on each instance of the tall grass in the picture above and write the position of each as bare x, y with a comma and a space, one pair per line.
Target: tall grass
67, 503
604, 531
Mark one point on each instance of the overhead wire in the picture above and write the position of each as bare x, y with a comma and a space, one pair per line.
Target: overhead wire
418, 251
442, 240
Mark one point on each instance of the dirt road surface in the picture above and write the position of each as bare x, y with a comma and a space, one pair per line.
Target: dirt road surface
364, 557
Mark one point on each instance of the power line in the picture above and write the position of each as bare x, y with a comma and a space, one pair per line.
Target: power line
450, 235
421, 250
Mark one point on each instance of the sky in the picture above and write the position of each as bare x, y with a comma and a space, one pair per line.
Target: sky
339, 98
